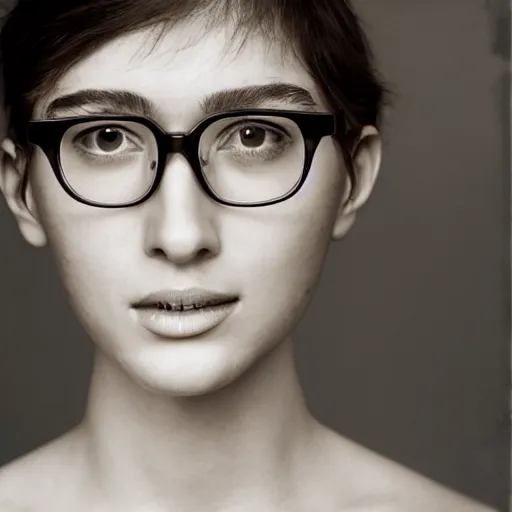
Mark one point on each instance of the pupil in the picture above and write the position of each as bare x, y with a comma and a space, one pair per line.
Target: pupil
109, 139
252, 137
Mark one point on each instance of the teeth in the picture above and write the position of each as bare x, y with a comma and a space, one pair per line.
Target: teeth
179, 307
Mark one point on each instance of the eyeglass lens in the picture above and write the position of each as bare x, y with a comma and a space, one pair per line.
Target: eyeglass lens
245, 159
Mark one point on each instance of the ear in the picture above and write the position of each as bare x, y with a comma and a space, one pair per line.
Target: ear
366, 159
20, 202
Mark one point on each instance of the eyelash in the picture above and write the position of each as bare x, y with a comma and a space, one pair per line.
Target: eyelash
104, 157
225, 135
269, 153
229, 130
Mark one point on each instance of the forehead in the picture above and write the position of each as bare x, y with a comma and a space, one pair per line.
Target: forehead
184, 67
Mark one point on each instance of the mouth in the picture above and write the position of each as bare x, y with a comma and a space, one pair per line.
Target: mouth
176, 314
176, 307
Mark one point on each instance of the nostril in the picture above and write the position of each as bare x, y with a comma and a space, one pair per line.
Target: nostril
158, 253
203, 254
171, 255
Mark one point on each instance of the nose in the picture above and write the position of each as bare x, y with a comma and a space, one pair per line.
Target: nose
181, 222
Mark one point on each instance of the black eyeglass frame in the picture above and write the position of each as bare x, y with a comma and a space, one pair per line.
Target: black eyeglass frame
48, 134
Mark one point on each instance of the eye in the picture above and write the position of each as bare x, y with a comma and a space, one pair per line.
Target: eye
249, 141
254, 140
109, 139
252, 136
106, 141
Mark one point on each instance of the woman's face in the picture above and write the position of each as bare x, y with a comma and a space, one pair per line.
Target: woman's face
269, 258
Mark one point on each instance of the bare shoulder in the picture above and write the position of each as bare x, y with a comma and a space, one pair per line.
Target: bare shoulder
33, 479
404, 490
25, 478
419, 494
378, 484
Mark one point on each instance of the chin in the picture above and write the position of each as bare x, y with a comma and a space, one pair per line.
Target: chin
197, 371
183, 385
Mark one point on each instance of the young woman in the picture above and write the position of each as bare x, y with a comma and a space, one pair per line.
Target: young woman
188, 163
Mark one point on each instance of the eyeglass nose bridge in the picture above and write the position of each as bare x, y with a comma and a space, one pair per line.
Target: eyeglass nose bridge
176, 143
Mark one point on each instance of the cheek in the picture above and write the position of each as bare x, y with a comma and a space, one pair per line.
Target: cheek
278, 262
287, 255
285, 246
89, 244
93, 259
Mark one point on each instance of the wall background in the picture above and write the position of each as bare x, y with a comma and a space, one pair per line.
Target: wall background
406, 347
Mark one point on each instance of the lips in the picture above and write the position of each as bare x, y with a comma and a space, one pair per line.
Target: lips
180, 314
184, 300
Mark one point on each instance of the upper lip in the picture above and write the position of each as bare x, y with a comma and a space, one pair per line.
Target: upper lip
185, 297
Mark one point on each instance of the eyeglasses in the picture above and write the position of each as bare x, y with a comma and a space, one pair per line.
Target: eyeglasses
242, 158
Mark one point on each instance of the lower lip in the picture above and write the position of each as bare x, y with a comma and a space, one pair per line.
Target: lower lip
183, 324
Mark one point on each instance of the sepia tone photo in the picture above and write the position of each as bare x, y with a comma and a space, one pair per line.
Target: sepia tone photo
256, 256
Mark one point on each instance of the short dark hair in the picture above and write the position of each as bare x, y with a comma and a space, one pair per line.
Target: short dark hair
42, 39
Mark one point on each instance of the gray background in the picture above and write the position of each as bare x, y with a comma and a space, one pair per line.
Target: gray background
406, 346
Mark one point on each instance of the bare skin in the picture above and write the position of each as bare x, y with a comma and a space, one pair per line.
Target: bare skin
218, 423
52, 478
323, 470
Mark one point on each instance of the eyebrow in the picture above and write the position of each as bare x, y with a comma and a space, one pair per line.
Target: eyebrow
126, 102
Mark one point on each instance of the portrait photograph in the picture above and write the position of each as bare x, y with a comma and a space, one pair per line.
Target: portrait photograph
255, 256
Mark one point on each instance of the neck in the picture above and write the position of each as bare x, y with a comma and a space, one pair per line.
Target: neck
216, 450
